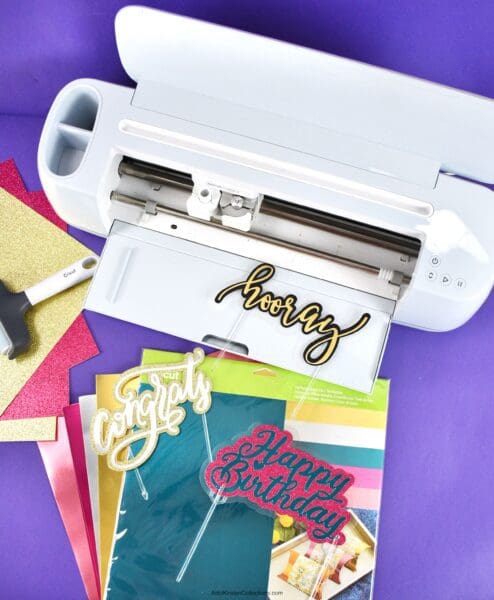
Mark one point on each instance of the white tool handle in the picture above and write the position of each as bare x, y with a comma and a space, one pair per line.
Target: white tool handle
66, 278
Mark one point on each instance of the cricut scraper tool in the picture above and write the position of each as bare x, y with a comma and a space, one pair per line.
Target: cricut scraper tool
14, 334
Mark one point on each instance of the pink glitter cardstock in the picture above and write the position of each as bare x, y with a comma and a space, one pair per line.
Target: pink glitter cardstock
11, 181
47, 391
265, 469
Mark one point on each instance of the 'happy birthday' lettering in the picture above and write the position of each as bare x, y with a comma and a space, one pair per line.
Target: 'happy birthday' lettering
266, 469
310, 317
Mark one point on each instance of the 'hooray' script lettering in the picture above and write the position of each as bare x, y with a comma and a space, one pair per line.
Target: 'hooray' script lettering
310, 317
145, 415
266, 469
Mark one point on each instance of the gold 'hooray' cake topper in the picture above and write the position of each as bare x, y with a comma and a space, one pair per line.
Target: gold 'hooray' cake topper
310, 317
145, 415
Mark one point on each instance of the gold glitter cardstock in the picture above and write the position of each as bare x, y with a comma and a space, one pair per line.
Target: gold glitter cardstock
109, 481
29, 430
31, 249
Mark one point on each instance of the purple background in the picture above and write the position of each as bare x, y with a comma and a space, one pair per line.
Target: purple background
436, 539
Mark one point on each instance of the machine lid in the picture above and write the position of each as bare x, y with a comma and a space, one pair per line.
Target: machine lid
438, 123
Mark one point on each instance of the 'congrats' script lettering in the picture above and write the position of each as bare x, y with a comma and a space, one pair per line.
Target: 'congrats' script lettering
145, 415
266, 469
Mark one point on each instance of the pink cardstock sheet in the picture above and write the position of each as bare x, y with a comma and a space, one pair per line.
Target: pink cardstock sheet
62, 474
73, 423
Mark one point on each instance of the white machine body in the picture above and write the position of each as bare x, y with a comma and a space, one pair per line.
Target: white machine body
368, 190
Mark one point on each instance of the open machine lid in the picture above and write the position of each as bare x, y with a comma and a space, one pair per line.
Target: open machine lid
453, 128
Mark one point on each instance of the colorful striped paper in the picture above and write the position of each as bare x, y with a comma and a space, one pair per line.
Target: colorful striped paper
341, 426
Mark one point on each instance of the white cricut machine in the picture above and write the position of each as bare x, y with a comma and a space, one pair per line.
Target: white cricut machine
359, 185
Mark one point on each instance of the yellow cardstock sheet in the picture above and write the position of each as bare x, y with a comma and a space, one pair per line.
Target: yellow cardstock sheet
109, 482
31, 249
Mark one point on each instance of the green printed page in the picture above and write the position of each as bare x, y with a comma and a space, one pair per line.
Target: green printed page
266, 381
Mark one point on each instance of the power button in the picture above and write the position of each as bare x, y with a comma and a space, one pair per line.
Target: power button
435, 260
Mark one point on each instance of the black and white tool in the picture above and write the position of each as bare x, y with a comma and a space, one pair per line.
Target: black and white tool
15, 338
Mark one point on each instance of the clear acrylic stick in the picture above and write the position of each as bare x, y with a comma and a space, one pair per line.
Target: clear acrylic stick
207, 439
323, 569
301, 401
199, 535
231, 333
205, 427
217, 498
140, 482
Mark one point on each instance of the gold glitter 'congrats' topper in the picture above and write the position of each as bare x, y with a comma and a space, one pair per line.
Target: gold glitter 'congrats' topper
145, 415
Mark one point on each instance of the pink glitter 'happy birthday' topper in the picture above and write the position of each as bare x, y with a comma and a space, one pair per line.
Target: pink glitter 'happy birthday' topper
267, 470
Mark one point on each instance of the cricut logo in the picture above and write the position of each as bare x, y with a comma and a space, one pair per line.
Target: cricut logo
171, 376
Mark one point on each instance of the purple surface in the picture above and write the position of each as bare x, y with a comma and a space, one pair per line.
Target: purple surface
436, 539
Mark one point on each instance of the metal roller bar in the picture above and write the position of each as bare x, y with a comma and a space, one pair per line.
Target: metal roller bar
281, 209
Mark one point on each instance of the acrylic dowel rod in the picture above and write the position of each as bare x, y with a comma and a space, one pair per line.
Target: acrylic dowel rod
320, 576
206, 437
300, 403
140, 482
199, 535
323, 568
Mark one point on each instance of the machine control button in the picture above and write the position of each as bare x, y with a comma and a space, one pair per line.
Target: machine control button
445, 279
460, 283
431, 275
435, 260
